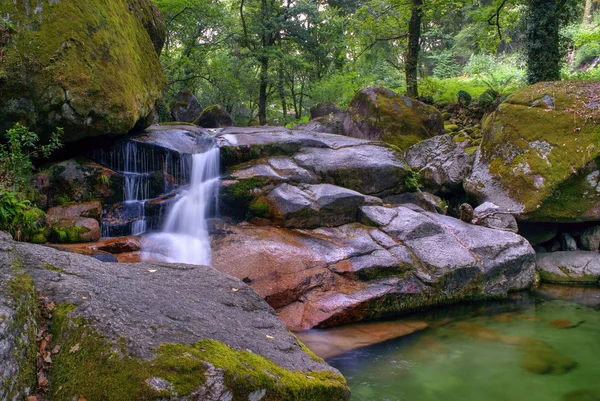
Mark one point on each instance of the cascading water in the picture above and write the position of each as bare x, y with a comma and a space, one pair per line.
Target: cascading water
184, 238
147, 173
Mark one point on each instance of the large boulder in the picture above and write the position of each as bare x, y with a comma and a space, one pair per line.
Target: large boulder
152, 331
540, 155
215, 116
378, 113
185, 107
90, 67
324, 109
399, 260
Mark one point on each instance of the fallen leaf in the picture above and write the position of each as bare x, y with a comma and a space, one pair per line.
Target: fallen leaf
309, 377
32, 398
84, 298
42, 380
82, 398
47, 358
74, 348
234, 290
56, 349
43, 345
51, 306
270, 337
152, 271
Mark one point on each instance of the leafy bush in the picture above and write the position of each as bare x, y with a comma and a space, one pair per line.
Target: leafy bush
445, 64
413, 181
22, 220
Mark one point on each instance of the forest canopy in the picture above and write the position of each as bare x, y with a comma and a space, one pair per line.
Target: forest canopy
269, 61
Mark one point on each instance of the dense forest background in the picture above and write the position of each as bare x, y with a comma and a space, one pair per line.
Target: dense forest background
268, 61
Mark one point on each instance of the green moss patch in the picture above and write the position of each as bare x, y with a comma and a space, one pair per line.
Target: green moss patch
91, 366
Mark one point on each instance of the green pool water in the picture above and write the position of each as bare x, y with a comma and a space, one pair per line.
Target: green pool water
541, 346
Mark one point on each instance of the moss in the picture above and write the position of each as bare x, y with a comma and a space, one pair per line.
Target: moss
68, 235
471, 150
22, 292
258, 209
534, 151
89, 67
401, 121
98, 372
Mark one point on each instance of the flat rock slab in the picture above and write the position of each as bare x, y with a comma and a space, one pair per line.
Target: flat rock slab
576, 267
144, 306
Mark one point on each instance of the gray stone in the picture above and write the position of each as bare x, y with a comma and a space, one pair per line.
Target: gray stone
442, 163
568, 242
286, 168
590, 239
143, 306
324, 109
578, 267
538, 233
368, 169
493, 216
185, 107
314, 205
425, 200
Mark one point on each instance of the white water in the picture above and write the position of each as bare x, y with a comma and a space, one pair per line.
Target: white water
184, 238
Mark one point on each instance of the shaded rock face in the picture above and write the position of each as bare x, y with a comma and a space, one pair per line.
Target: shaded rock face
324, 109
539, 156
18, 328
442, 163
91, 68
155, 331
378, 113
185, 107
574, 267
399, 260
215, 116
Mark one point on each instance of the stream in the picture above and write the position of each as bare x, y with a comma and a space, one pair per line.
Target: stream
537, 346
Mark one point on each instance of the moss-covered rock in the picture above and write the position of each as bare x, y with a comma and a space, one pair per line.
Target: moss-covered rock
89, 67
173, 331
215, 116
74, 230
380, 114
185, 107
18, 328
540, 154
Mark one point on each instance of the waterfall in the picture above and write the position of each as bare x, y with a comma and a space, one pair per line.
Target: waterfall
184, 238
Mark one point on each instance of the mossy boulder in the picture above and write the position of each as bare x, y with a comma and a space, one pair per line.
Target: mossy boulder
540, 154
90, 67
215, 116
168, 331
378, 113
74, 230
185, 107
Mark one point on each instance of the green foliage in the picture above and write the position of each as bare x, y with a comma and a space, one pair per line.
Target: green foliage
302, 120
16, 154
464, 98
413, 181
445, 64
22, 220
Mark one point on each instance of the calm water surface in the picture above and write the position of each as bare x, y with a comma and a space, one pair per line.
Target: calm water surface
543, 346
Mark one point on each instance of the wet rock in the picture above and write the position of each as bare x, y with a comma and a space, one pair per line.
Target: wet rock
424, 200
314, 205
185, 107
577, 267
538, 167
378, 113
590, 239
568, 243
442, 163
87, 209
540, 358
217, 318
368, 169
493, 216
105, 257
215, 116
69, 231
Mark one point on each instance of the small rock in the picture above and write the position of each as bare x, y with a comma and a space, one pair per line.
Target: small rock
590, 239
568, 242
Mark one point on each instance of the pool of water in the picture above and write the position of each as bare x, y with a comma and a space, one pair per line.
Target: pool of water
540, 346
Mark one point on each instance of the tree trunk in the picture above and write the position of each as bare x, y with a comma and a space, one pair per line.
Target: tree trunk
262, 92
543, 41
412, 54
